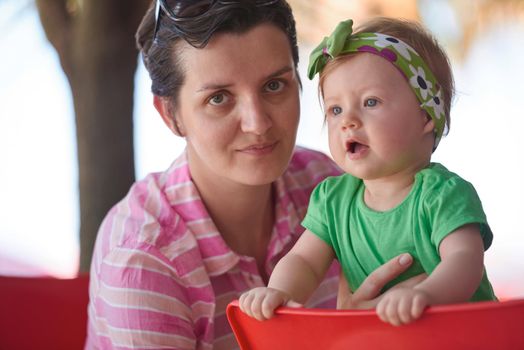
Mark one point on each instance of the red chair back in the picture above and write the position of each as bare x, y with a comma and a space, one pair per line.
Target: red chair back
484, 325
43, 313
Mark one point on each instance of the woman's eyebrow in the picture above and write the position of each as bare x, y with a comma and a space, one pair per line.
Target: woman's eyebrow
279, 72
213, 87
275, 74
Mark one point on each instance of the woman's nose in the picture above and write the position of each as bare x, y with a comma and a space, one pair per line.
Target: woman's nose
255, 117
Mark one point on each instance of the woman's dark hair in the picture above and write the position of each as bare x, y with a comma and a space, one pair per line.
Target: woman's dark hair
160, 56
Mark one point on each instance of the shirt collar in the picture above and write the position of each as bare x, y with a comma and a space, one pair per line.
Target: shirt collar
286, 231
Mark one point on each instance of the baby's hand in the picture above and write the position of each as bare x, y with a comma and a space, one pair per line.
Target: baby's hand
402, 305
261, 302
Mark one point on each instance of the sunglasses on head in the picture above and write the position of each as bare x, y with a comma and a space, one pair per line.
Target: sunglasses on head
180, 11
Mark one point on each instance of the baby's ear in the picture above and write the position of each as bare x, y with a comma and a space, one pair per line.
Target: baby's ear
429, 125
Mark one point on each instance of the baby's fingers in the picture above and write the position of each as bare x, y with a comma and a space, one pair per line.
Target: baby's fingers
417, 307
381, 309
245, 301
404, 311
292, 303
269, 304
261, 303
256, 306
387, 311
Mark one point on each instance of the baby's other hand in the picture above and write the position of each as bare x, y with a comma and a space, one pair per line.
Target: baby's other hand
261, 302
402, 305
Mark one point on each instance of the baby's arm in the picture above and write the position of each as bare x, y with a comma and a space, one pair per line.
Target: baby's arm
295, 277
454, 280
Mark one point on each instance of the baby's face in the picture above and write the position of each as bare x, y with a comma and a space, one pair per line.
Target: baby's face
376, 127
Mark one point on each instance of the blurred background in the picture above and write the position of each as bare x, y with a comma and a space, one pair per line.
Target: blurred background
40, 182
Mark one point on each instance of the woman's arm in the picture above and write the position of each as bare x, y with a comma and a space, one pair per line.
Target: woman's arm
137, 302
368, 294
295, 277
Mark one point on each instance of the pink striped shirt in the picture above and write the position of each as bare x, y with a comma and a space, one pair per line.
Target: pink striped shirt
162, 275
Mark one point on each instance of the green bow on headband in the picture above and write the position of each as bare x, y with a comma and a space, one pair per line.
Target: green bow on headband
418, 74
329, 48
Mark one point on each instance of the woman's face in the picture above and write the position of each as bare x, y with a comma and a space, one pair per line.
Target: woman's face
239, 106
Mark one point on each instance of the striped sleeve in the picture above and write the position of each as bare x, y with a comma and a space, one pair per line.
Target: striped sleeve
140, 303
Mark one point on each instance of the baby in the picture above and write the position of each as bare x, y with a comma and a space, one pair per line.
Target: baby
386, 91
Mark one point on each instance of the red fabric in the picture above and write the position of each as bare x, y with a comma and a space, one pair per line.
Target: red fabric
43, 313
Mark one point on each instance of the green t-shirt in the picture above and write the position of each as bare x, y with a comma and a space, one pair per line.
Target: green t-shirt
363, 239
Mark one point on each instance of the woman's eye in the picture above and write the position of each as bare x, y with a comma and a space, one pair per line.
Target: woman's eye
218, 99
336, 110
274, 86
370, 102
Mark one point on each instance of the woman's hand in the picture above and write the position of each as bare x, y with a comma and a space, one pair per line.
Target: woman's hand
367, 295
261, 302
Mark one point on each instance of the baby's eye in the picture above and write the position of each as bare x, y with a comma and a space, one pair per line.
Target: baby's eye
274, 86
336, 110
218, 99
370, 102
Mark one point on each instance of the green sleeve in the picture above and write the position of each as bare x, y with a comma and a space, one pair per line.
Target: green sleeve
456, 204
316, 216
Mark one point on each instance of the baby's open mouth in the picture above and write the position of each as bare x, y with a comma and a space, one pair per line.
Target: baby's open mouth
354, 147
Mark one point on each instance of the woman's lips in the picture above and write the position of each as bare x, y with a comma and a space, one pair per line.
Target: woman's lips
259, 149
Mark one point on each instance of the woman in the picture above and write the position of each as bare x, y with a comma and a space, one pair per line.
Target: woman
184, 243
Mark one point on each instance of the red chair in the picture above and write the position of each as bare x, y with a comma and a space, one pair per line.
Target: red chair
43, 313
484, 325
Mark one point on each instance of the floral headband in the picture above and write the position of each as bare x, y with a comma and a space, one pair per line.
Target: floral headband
404, 57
